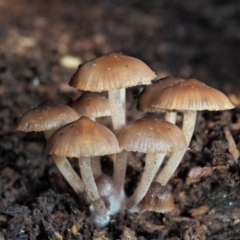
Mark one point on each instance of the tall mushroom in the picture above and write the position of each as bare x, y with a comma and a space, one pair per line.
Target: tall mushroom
84, 139
47, 118
189, 97
113, 73
155, 137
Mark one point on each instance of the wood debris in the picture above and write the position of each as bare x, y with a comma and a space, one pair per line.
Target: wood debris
232, 148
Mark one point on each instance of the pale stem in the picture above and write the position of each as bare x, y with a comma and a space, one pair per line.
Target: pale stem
145, 182
166, 173
69, 174
67, 170
189, 121
117, 100
159, 161
96, 167
119, 171
91, 187
171, 116
95, 161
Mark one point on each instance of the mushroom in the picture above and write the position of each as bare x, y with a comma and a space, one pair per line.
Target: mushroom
47, 118
189, 97
93, 106
158, 199
155, 137
84, 139
113, 73
153, 90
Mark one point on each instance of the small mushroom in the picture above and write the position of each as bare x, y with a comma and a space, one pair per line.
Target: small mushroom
91, 105
84, 139
47, 118
155, 137
158, 199
189, 97
152, 91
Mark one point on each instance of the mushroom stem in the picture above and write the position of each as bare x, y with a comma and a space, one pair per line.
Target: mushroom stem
170, 167
189, 121
171, 116
145, 182
119, 171
91, 187
117, 100
96, 167
67, 170
69, 174
159, 161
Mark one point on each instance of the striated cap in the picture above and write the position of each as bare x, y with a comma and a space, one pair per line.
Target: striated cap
158, 199
91, 105
82, 138
152, 134
151, 91
192, 95
111, 71
45, 117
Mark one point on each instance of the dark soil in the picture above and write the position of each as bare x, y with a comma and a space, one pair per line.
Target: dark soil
183, 38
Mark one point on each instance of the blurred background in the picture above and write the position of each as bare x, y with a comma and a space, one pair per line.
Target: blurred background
42, 42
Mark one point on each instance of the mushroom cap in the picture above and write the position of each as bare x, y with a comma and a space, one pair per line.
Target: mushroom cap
151, 91
191, 95
45, 117
111, 71
82, 138
152, 134
158, 199
91, 105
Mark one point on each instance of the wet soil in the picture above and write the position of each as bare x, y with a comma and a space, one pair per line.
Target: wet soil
185, 39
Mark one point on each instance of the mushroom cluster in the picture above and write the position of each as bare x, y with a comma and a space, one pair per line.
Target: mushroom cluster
73, 132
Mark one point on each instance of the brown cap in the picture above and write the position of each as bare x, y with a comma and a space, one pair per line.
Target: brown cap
45, 117
91, 105
191, 95
82, 138
152, 134
151, 91
111, 71
158, 199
